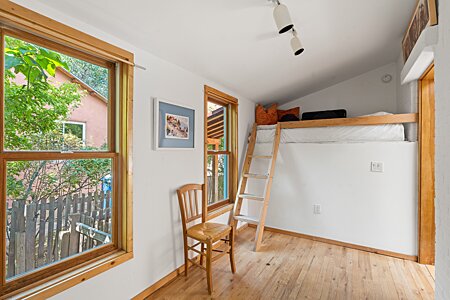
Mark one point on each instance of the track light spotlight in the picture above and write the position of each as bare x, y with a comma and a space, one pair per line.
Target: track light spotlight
296, 44
282, 18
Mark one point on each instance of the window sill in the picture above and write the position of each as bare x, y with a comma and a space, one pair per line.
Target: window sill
223, 209
74, 276
219, 204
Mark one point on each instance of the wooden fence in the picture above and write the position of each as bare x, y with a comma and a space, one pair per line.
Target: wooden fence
42, 232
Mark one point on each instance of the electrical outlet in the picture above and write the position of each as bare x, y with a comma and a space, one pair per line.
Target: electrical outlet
376, 166
317, 209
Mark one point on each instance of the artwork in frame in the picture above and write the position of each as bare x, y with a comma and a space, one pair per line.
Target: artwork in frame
174, 126
424, 15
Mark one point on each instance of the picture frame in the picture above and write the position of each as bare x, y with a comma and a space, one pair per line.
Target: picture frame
424, 15
174, 126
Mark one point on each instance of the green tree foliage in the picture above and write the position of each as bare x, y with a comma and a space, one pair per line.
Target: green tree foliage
94, 76
35, 106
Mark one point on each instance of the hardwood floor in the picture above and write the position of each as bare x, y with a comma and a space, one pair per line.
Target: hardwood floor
289, 267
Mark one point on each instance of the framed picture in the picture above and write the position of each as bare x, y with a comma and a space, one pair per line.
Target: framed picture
424, 15
174, 126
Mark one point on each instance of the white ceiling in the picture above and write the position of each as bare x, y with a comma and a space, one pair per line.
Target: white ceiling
234, 42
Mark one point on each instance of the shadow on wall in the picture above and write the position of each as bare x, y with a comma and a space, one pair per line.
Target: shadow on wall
242, 159
175, 218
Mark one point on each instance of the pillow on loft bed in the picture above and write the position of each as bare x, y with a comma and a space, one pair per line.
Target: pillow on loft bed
324, 114
289, 118
266, 117
293, 111
272, 115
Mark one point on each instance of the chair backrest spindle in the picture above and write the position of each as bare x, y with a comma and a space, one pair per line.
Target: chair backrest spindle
188, 199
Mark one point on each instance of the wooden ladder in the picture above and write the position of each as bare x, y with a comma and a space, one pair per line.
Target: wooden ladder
245, 175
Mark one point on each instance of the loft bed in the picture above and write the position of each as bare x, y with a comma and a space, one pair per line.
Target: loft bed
328, 162
378, 127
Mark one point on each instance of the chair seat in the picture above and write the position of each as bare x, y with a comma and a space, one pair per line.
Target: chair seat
208, 231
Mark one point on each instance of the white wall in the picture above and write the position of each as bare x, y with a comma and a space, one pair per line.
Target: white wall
407, 94
377, 210
157, 174
407, 100
442, 86
361, 95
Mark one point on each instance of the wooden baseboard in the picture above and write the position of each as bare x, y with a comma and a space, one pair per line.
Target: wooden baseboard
159, 284
168, 278
339, 243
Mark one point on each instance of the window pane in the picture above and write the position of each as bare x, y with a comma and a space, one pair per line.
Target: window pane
74, 129
55, 209
217, 178
44, 88
217, 129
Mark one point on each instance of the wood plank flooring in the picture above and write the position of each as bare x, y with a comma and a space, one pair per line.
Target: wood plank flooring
289, 267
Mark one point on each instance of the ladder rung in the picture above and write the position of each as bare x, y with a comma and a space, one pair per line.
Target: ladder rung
247, 219
256, 176
261, 156
251, 196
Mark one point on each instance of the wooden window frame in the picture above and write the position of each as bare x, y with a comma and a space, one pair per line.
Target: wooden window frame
27, 25
218, 97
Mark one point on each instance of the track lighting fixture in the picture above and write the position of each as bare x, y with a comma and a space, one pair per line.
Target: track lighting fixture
284, 24
296, 44
282, 18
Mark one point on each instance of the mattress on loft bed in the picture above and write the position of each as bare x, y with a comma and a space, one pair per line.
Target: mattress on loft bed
370, 133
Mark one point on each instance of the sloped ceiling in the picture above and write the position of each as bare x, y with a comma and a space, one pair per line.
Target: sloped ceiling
234, 42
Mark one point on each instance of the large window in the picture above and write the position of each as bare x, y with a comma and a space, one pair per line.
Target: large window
63, 154
221, 147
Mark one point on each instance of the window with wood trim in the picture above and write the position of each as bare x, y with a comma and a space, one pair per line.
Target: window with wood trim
220, 147
64, 140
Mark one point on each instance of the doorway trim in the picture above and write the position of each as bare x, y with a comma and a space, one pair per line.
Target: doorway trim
426, 216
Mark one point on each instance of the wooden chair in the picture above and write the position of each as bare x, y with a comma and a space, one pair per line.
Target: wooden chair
194, 207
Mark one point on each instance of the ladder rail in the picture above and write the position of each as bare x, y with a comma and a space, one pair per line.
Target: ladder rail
243, 181
267, 189
235, 215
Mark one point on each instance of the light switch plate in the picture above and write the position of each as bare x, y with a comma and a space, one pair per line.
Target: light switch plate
317, 209
377, 166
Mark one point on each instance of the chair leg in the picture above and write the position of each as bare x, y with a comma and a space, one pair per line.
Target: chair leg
208, 267
201, 256
186, 256
231, 251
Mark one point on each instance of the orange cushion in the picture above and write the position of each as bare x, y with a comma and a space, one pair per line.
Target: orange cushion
293, 111
266, 117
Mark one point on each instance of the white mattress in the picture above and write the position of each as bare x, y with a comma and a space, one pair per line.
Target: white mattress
372, 133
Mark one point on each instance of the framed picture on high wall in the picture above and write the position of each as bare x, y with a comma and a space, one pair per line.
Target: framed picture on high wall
174, 126
424, 15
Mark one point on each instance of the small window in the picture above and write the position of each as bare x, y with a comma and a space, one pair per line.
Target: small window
77, 130
221, 137
217, 167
